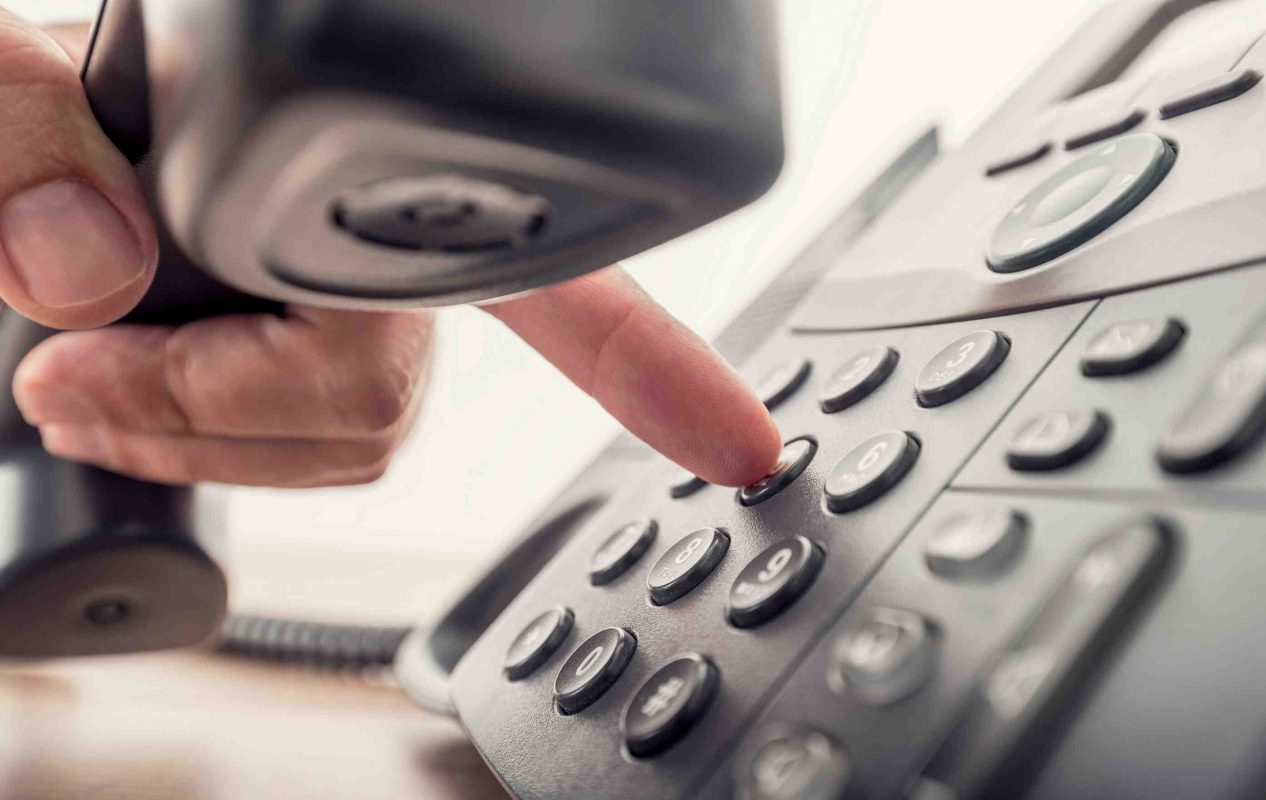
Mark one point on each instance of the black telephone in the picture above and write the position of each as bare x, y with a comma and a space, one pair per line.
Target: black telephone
1013, 547
382, 153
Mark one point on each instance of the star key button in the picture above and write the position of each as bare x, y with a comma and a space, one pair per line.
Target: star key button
668, 704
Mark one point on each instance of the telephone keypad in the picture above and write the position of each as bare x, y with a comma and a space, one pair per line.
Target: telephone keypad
960, 366
1056, 439
685, 565
592, 668
1125, 347
668, 704
537, 642
621, 550
793, 459
856, 378
773, 581
870, 469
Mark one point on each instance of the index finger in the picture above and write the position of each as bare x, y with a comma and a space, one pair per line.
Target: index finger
659, 379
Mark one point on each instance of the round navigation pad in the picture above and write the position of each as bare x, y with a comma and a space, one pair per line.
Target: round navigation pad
1079, 201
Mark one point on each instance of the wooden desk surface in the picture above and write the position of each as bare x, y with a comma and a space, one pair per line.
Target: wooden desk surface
194, 726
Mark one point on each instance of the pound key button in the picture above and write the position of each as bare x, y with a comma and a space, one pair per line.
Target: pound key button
668, 704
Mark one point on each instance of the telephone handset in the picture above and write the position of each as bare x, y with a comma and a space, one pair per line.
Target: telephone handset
371, 154
1012, 545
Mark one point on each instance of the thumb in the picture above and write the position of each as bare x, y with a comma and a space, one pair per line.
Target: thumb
77, 246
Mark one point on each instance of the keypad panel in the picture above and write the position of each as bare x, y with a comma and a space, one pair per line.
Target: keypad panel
849, 547
1219, 314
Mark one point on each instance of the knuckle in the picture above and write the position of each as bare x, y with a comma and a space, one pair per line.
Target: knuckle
379, 399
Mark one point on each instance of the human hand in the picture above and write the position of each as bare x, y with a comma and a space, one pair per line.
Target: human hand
314, 397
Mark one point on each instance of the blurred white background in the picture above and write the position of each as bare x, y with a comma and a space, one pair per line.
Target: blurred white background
502, 432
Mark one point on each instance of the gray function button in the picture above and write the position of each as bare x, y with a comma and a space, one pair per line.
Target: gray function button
1057, 439
1215, 90
795, 456
592, 668
1125, 347
856, 378
686, 564
537, 642
884, 657
621, 550
684, 484
668, 704
1227, 415
783, 382
1079, 201
977, 543
870, 469
960, 366
1020, 158
794, 763
1106, 129
1073, 632
773, 581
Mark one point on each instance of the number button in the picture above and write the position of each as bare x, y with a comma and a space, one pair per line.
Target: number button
784, 381
1057, 439
1126, 347
537, 642
684, 484
793, 459
668, 705
857, 378
621, 550
960, 366
773, 581
794, 763
686, 564
592, 668
870, 469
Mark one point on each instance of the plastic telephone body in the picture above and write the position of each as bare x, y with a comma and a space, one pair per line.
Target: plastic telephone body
383, 153
1037, 393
